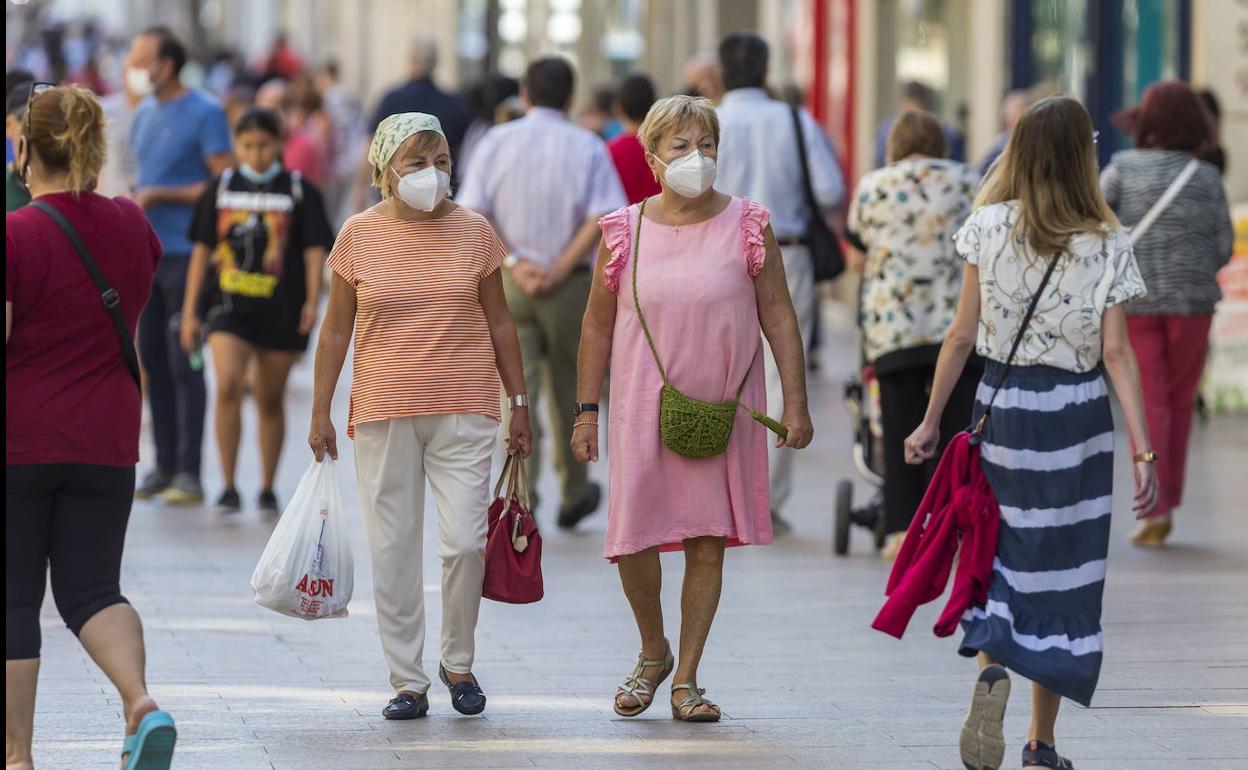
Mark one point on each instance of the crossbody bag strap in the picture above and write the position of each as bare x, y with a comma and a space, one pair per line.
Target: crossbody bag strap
645, 327
1163, 203
1018, 341
808, 188
108, 295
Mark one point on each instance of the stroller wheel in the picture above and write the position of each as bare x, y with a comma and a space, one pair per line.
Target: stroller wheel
844, 514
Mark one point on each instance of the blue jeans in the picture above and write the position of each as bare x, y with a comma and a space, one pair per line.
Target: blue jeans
175, 391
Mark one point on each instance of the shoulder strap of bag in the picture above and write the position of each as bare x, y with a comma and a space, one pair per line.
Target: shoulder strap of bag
807, 188
645, 327
1018, 341
296, 186
1164, 201
108, 295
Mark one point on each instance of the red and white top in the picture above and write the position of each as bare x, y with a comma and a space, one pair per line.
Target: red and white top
422, 343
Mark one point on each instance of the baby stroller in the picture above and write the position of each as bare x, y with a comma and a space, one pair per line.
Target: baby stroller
862, 399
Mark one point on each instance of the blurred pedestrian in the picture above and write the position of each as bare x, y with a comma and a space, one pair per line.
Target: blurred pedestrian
704, 77
119, 107
1042, 235
16, 96
599, 114
485, 98
418, 94
261, 235
1014, 105
544, 181
347, 118
424, 397
72, 417
759, 160
308, 139
635, 99
1188, 240
687, 284
906, 214
13, 79
180, 141
281, 61
918, 97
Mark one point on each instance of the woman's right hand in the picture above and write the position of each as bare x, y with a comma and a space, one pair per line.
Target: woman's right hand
322, 437
921, 445
1147, 489
191, 329
585, 442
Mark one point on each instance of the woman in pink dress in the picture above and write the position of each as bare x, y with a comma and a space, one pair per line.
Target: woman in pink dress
709, 278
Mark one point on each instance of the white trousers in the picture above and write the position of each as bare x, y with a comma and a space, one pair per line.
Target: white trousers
800, 274
392, 460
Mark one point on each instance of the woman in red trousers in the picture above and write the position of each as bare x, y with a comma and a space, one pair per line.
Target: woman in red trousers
1189, 239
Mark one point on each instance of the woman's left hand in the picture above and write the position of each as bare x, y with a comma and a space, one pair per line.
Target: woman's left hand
307, 317
520, 437
800, 429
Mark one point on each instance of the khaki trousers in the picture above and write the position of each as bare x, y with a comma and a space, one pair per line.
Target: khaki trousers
800, 275
550, 338
393, 458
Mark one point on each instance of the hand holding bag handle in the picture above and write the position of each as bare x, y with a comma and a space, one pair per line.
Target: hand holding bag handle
108, 295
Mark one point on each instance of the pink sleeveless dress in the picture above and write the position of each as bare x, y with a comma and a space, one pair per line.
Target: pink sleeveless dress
696, 285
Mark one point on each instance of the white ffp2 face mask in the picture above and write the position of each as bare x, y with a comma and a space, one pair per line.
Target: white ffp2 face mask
690, 175
139, 81
423, 190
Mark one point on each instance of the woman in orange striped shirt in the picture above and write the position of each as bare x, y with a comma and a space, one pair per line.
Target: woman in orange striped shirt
416, 279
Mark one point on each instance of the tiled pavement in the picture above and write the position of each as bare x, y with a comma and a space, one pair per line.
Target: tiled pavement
802, 679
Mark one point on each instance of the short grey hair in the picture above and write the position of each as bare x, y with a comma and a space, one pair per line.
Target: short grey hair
424, 54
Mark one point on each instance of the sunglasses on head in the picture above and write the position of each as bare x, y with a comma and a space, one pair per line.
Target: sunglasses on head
35, 90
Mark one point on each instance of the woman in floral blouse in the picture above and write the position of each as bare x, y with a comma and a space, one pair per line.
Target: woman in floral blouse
906, 214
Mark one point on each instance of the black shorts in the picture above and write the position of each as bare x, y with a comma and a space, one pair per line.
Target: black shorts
263, 330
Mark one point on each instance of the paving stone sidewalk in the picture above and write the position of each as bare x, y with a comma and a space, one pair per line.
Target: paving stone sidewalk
802, 679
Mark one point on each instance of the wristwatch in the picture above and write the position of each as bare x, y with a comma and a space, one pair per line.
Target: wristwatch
519, 401
578, 408
1145, 457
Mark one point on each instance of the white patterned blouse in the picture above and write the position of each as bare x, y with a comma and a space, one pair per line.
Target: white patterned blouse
1096, 272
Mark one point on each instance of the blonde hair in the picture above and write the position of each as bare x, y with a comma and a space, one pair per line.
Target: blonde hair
65, 128
423, 142
669, 115
916, 133
1049, 166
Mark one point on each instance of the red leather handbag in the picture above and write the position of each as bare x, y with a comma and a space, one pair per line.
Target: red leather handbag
513, 548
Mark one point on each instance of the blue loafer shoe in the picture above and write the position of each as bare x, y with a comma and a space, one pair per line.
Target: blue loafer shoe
151, 748
466, 697
406, 705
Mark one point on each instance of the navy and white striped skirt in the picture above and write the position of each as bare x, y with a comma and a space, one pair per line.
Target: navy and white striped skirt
1048, 452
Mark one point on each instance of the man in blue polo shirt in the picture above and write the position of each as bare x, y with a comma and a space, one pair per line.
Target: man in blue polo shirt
181, 141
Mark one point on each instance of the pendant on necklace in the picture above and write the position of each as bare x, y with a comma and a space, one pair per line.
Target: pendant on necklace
678, 229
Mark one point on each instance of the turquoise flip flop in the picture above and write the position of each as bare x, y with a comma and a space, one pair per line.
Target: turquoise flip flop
151, 748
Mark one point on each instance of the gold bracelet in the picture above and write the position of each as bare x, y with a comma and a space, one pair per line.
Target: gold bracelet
1145, 457
579, 423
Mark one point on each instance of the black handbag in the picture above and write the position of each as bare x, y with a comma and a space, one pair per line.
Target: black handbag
108, 295
824, 245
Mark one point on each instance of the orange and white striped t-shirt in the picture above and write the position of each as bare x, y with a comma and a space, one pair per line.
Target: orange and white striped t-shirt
422, 343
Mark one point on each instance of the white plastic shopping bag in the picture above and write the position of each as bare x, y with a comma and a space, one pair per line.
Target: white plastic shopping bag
306, 570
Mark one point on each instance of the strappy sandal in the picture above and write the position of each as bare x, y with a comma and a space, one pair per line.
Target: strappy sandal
686, 710
641, 687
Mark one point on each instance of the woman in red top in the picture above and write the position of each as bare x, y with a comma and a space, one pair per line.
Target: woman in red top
636, 97
72, 413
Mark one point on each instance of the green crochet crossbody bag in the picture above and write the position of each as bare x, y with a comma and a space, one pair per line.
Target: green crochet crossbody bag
688, 426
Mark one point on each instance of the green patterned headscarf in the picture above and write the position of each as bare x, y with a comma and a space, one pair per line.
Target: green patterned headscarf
392, 132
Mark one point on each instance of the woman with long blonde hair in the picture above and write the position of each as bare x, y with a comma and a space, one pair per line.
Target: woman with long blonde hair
1042, 230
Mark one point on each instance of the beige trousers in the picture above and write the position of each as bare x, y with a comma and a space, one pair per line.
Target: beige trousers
800, 275
393, 458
